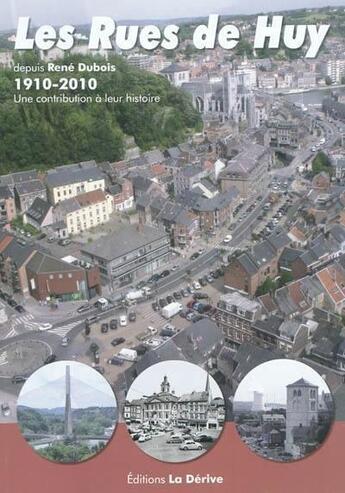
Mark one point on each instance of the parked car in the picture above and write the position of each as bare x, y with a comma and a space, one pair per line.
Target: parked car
132, 316
175, 439
194, 256
162, 302
184, 293
203, 281
113, 324
165, 273
200, 296
115, 361
104, 328
203, 438
170, 299
100, 369
5, 409
140, 349
196, 285
117, 341
123, 320
155, 306
93, 347
190, 445
177, 295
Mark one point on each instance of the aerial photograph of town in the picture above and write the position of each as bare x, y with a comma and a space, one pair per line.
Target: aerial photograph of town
180, 421
67, 412
283, 410
206, 226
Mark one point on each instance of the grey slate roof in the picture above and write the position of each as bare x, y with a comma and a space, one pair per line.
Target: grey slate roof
73, 173
18, 253
174, 67
42, 263
5, 192
123, 241
199, 340
38, 210
28, 187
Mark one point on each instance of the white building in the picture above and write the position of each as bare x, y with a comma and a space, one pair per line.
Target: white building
176, 74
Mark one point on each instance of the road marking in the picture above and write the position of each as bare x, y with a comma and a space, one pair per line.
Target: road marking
11, 333
64, 329
3, 358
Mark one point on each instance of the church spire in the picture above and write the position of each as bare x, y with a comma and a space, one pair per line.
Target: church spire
208, 389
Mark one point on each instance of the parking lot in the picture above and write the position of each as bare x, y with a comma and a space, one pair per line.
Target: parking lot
135, 334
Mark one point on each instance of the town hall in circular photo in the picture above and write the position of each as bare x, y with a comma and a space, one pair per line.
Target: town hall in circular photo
174, 411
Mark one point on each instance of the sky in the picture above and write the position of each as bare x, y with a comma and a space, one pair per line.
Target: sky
272, 377
183, 377
60, 12
46, 387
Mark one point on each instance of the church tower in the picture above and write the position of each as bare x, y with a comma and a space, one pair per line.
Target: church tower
165, 385
301, 409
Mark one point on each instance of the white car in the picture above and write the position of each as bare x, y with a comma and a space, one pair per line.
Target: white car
201, 251
45, 326
190, 445
196, 285
123, 321
227, 239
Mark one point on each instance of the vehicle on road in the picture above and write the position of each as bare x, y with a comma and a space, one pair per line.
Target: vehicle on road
102, 303
115, 361
64, 242
190, 445
194, 256
84, 308
50, 359
65, 341
19, 308
5, 409
45, 326
113, 324
132, 316
123, 320
165, 273
18, 379
227, 239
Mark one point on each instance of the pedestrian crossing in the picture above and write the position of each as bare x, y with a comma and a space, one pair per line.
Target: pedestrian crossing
11, 333
3, 358
23, 320
64, 329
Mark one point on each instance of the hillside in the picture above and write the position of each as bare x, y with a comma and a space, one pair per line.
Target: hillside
44, 135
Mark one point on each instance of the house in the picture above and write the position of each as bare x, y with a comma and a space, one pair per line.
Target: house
235, 315
40, 214
66, 182
212, 212
122, 195
26, 192
297, 236
143, 185
249, 270
129, 253
14, 256
19, 177
50, 277
247, 171
299, 297
332, 280
84, 211
7, 205
176, 74
288, 336
185, 177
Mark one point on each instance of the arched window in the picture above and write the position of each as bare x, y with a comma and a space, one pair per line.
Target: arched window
299, 393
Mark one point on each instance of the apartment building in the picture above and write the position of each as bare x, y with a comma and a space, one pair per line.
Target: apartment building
84, 211
7, 205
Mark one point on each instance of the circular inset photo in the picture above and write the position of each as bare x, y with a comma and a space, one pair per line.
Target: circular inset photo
67, 412
283, 410
174, 411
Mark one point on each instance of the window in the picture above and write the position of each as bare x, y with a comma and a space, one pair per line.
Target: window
313, 406
60, 276
51, 276
69, 275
